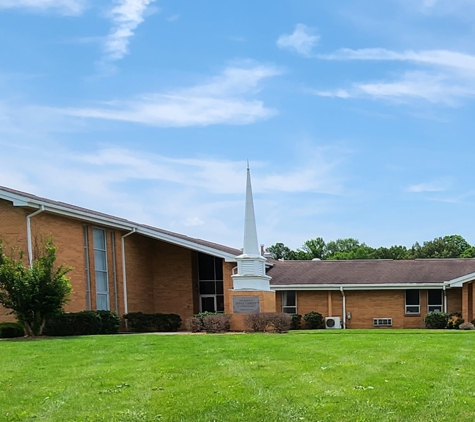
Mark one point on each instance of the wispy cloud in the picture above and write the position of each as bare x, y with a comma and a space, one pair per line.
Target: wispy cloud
66, 7
302, 40
439, 185
126, 16
447, 77
222, 100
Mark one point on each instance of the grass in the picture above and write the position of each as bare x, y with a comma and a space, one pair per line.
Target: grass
352, 375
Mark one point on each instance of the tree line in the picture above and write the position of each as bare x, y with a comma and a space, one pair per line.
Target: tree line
452, 246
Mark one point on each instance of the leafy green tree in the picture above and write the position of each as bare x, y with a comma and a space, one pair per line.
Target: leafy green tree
33, 294
452, 246
280, 251
312, 248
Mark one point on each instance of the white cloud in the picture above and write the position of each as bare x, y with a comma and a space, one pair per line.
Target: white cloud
222, 100
439, 185
67, 7
448, 76
302, 40
126, 16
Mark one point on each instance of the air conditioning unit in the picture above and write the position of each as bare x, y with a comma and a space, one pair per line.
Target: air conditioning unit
332, 323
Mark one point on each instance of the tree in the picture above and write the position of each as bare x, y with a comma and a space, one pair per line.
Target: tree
280, 251
453, 246
312, 248
36, 293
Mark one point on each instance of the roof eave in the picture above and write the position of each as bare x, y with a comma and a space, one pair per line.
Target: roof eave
391, 286
21, 201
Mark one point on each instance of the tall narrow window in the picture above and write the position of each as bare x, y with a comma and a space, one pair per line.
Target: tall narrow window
413, 303
100, 268
210, 276
434, 300
87, 269
289, 302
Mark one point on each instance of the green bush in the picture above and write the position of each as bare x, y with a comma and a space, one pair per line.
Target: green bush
74, 324
436, 320
11, 330
313, 320
147, 323
110, 322
296, 322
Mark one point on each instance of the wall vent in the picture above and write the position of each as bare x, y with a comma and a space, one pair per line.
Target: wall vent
382, 322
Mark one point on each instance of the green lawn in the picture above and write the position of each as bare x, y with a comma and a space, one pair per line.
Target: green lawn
351, 375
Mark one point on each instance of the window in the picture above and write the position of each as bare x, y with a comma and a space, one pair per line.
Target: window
434, 300
382, 322
210, 278
289, 302
413, 304
100, 270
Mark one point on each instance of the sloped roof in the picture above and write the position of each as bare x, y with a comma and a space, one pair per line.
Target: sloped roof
82, 213
368, 272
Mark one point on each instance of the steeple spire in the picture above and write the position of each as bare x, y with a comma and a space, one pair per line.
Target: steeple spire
251, 268
251, 245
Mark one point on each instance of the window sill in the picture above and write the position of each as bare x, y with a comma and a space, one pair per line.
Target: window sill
412, 315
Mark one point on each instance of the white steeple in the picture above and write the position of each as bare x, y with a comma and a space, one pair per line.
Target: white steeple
251, 268
251, 245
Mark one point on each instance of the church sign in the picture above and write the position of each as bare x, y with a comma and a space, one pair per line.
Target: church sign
246, 305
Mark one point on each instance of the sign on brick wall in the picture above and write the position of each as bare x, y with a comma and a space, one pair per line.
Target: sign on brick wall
246, 305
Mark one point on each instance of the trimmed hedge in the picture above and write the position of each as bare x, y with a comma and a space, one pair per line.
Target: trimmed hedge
211, 322
436, 320
313, 320
139, 322
261, 322
296, 322
11, 330
83, 323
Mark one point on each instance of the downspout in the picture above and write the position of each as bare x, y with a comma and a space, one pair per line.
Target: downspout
124, 274
445, 298
344, 306
28, 234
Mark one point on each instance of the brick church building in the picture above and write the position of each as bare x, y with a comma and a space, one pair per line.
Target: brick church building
126, 267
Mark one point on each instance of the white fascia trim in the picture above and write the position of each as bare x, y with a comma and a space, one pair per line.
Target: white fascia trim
21, 201
457, 282
338, 287
186, 244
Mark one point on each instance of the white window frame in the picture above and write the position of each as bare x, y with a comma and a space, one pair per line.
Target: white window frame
440, 305
412, 306
286, 308
382, 322
106, 271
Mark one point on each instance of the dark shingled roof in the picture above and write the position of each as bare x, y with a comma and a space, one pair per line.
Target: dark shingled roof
369, 271
73, 208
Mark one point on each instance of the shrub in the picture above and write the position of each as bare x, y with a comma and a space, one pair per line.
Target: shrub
74, 324
436, 320
256, 322
259, 323
146, 323
11, 330
216, 323
466, 326
313, 320
296, 322
281, 322
193, 324
110, 322
454, 321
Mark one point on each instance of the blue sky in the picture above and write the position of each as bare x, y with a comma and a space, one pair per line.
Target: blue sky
357, 117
